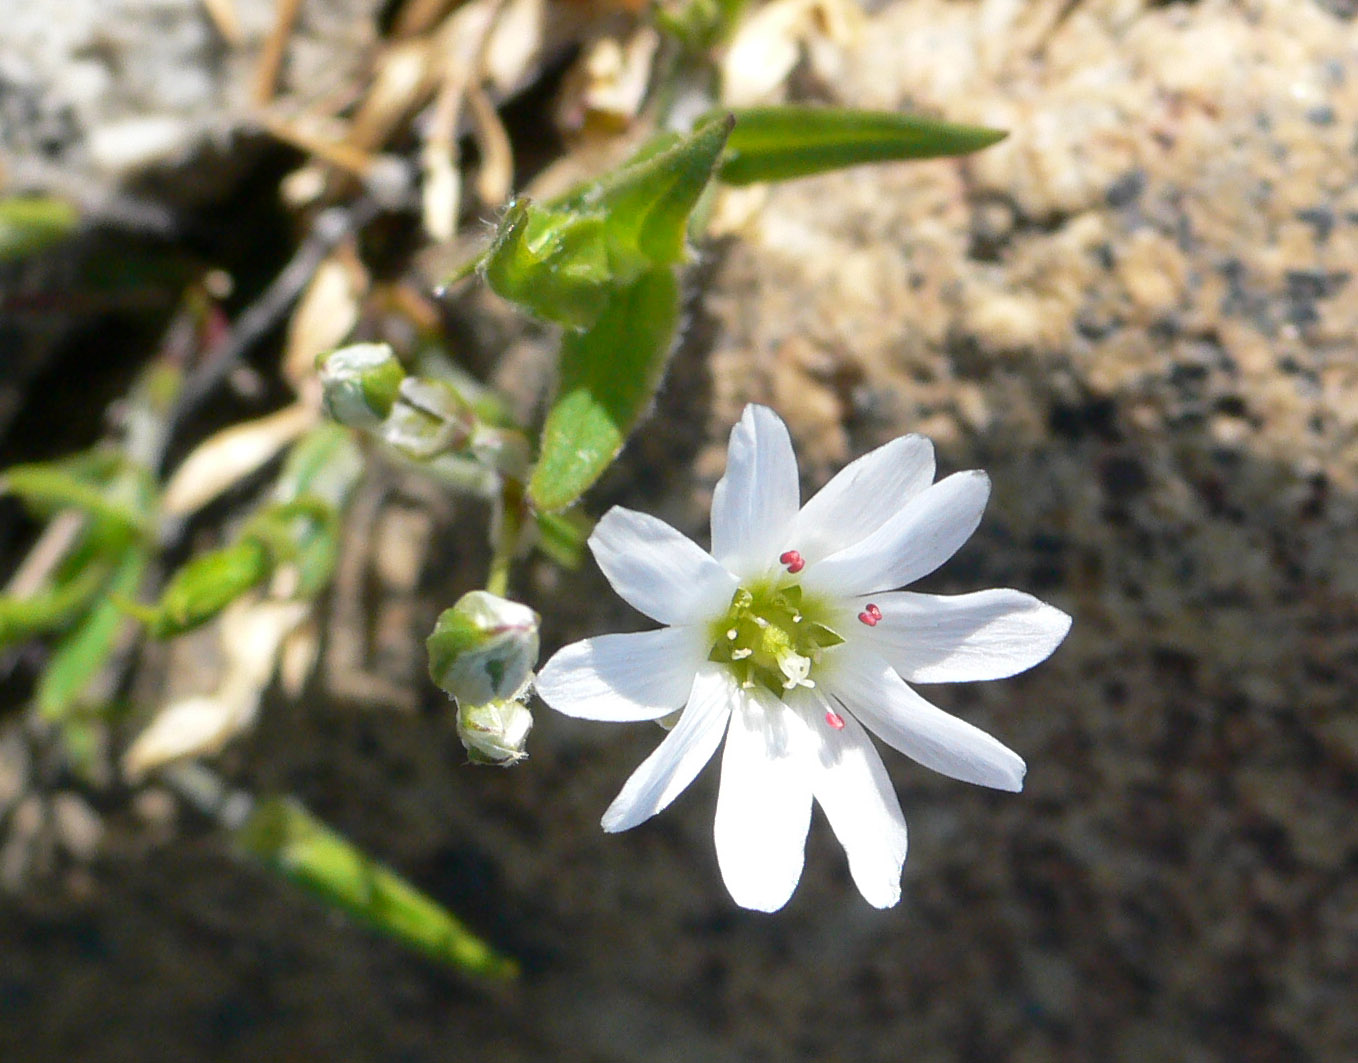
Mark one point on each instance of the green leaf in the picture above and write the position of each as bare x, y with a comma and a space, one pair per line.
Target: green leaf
780, 143
294, 844
608, 376
554, 263
205, 586
23, 618
30, 224
561, 536
49, 487
647, 203
327, 463
83, 652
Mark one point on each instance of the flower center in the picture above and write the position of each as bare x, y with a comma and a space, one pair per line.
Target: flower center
773, 635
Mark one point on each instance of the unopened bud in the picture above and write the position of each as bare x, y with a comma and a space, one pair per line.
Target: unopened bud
484, 648
429, 418
360, 383
495, 733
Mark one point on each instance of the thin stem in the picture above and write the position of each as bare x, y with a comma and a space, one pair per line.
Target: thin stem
510, 515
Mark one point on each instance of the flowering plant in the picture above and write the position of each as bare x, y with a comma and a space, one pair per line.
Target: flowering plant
789, 640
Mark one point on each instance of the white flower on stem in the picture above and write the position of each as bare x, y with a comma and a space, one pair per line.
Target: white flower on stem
789, 640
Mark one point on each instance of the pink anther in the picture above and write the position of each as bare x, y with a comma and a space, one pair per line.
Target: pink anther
793, 560
835, 720
870, 615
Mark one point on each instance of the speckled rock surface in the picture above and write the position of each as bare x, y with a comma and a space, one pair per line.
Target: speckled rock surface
1138, 315
93, 92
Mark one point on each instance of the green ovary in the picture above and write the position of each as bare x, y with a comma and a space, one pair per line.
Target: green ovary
773, 636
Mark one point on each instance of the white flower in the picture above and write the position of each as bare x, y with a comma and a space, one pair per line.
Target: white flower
789, 640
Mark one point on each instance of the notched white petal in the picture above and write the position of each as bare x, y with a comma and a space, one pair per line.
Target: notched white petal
853, 788
754, 504
676, 762
640, 676
923, 535
764, 804
991, 634
657, 570
863, 496
881, 700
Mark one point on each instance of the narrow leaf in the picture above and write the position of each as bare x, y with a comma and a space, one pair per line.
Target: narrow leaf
205, 586
293, 843
47, 488
608, 375
85, 649
648, 203
780, 143
23, 618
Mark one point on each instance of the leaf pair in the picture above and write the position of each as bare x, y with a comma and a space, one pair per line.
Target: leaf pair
602, 261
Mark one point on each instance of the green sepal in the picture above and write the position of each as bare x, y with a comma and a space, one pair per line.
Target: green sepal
780, 143
608, 376
297, 846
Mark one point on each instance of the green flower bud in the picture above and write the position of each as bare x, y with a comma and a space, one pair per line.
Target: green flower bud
430, 418
360, 383
484, 648
495, 733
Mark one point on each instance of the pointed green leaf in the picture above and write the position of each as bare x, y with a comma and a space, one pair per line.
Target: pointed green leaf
207, 585
609, 374
83, 652
48, 487
648, 202
780, 143
296, 845
23, 618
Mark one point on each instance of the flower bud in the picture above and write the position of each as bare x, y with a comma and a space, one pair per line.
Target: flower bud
430, 417
360, 383
484, 648
495, 733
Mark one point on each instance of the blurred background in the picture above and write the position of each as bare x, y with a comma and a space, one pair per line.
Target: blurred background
1136, 313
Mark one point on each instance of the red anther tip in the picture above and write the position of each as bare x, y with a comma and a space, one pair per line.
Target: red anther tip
793, 560
873, 612
835, 720
870, 616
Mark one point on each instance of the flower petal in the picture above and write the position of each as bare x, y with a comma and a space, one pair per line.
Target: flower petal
919, 538
764, 804
863, 496
871, 691
931, 638
640, 676
755, 503
658, 571
852, 786
666, 773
